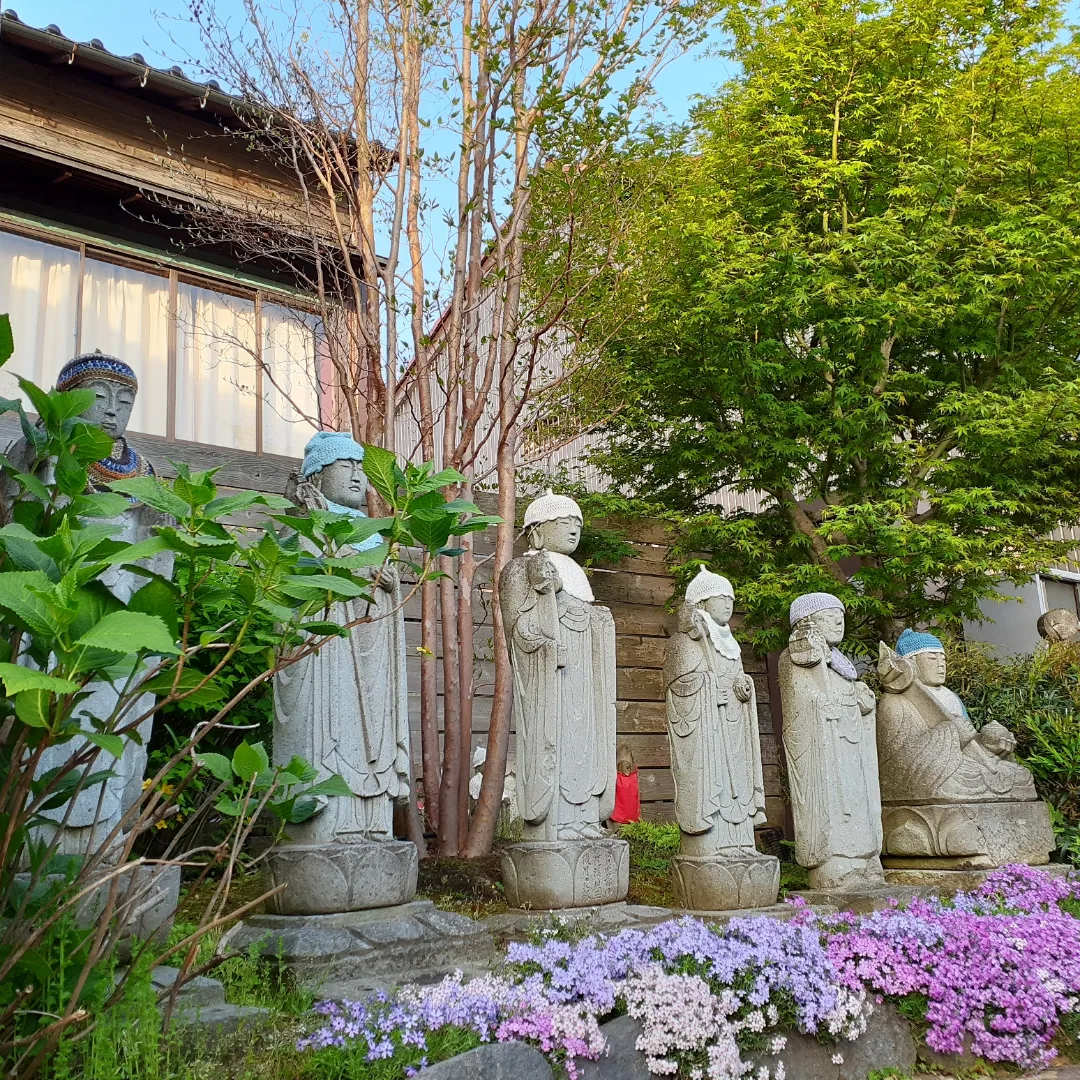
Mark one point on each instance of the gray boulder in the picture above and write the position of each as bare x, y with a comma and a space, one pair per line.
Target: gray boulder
493, 1061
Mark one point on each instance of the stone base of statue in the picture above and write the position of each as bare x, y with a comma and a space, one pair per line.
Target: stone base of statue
947, 882
346, 956
723, 882
542, 875
966, 836
326, 879
847, 874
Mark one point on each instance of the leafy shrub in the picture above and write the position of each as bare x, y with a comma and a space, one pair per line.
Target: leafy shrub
1038, 698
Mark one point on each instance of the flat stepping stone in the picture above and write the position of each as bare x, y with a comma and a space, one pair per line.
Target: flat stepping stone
493, 1061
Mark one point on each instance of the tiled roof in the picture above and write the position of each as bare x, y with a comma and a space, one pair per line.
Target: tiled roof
131, 73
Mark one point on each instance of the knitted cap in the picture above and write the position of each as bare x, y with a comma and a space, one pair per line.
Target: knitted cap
811, 603
95, 365
551, 507
707, 584
326, 447
912, 642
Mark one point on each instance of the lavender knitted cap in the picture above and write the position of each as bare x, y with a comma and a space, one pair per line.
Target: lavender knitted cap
810, 603
326, 447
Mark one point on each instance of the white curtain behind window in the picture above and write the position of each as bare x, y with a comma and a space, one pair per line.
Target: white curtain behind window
215, 368
39, 290
125, 313
290, 380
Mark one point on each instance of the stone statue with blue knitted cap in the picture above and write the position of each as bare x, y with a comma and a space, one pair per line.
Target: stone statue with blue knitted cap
562, 651
712, 723
831, 751
954, 798
345, 709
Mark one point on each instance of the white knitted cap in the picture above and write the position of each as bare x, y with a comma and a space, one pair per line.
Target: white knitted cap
551, 507
707, 584
812, 602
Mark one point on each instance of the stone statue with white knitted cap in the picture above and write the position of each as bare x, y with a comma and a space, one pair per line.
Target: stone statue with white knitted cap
562, 650
954, 798
715, 758
345, 709
831, 751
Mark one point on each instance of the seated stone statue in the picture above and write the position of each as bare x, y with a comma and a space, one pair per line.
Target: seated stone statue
946, 787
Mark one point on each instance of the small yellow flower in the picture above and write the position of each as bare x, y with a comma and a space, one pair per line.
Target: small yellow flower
146, 783
162, 824
167, 789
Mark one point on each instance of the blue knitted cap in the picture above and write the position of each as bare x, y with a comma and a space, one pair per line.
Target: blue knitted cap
812, 602
913, 641
326, 447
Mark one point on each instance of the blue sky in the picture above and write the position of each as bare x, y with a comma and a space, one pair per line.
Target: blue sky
127, 26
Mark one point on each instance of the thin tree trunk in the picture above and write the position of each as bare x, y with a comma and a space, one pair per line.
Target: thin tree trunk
449, 812
466, 573
429, 703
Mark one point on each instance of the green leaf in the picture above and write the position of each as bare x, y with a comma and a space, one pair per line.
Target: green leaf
327, 629
7, 340
217, 765
32, 707
32, 484
99, 504
332, 785
381, 469
158, 598
129, 632
316, 585
430, 528
40, 400
154, 493
439, 480
70, 475
22, 545
87, 443
21, 593
69, 403
362, 560
132, 553
94, 601
111, 744
197, 544
203, 697
17, 678
303, 770
249, 760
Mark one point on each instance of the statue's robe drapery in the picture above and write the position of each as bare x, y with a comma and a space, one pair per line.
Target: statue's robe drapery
98, 809
562, 649
929, 751
345, 710
715, 745
831, 753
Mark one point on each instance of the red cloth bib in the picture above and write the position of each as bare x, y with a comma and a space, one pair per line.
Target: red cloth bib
627, 799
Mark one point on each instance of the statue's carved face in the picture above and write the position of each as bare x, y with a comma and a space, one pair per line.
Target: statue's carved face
930, 667
830, 624
343, 482
561, 535
112, 406
720, 608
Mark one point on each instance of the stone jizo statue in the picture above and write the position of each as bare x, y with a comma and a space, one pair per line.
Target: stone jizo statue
1059, 625
345, 709
954, 797
831, 750
562, 648
715, 757
99, 809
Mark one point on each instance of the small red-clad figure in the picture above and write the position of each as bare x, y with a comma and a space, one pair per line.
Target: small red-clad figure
627, 796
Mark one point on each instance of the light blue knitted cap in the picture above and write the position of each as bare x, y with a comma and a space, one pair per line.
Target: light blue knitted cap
812, 602
326, 447
912, 642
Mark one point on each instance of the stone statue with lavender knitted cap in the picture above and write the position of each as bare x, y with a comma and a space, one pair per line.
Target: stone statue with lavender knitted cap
954, 798
345, 709
831, 751
715, 758
98, 810
562, 650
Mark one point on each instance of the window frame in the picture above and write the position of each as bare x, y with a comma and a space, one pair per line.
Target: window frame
176, 275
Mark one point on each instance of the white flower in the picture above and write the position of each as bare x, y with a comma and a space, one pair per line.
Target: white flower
838, 1059
777, 1044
